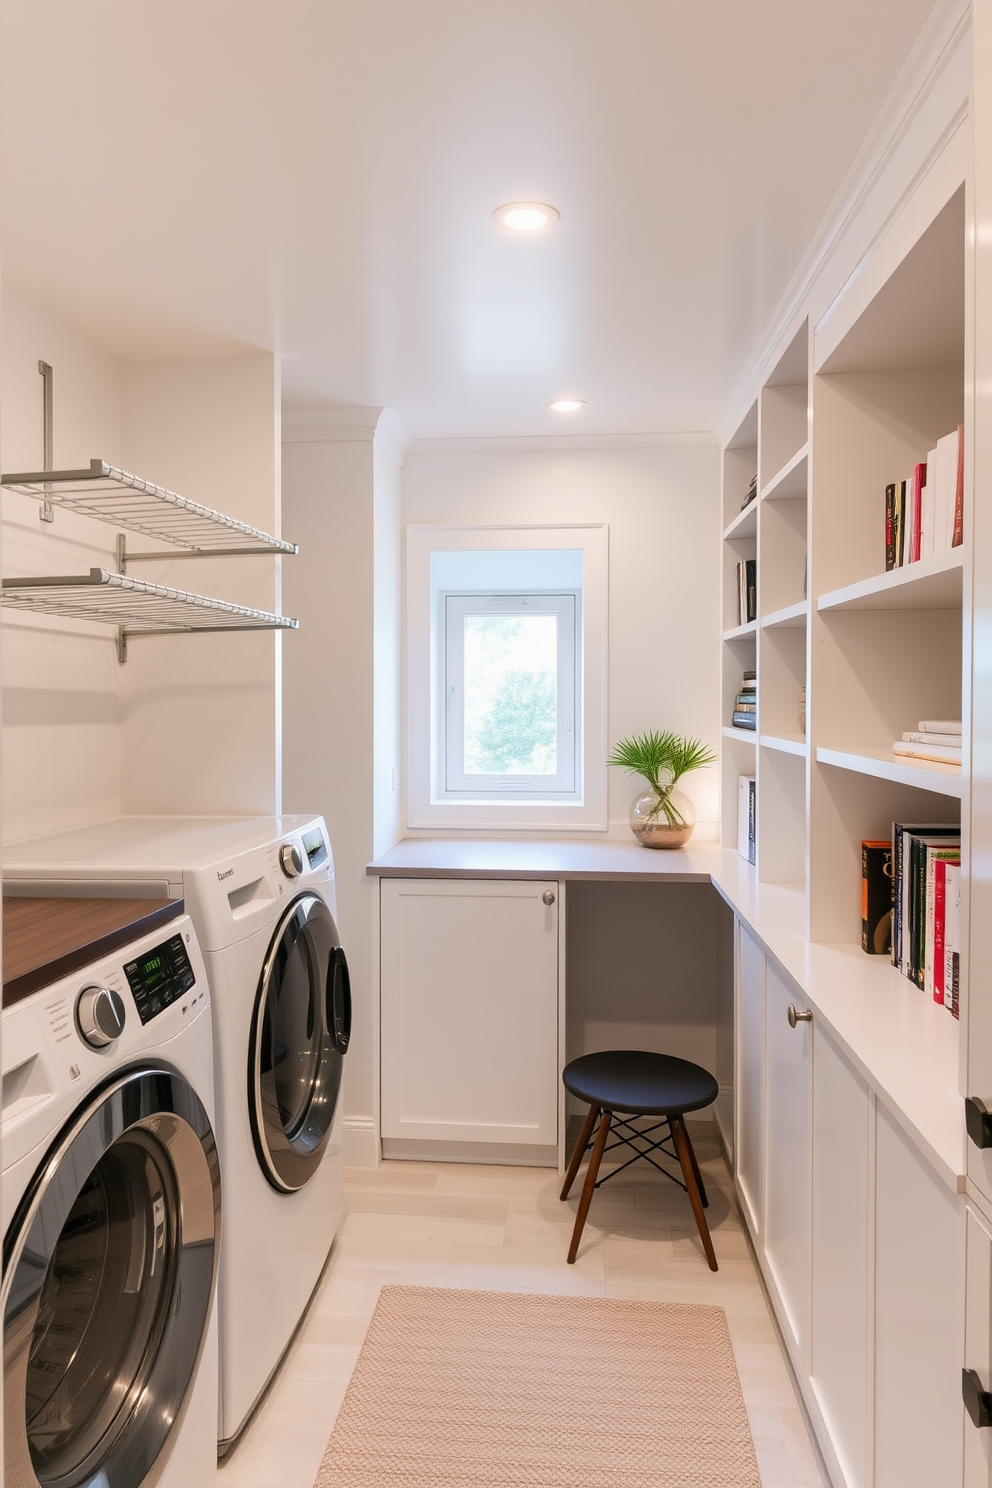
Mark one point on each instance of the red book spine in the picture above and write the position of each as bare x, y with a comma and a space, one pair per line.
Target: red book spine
958, 535
939, 913
919, 481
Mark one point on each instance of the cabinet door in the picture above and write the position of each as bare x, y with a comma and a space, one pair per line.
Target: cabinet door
978, 1346
750, 1080
469, 1011
787, 1155
840, 1300
919, 1318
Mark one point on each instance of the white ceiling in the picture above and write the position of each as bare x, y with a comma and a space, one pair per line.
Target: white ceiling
315, 177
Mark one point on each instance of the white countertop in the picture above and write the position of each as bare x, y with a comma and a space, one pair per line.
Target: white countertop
901, 1042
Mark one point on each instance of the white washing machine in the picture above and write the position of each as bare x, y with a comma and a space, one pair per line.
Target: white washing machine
261, 895
111, 1213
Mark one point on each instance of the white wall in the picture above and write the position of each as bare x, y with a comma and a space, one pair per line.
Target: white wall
662, 507
340, 715
200, 720
61, 681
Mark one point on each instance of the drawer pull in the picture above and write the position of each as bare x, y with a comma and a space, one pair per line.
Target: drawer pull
978, 1120
548, 897
978, 1402
794, 1017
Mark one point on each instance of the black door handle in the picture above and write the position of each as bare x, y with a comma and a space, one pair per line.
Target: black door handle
978, 1402
978, 1120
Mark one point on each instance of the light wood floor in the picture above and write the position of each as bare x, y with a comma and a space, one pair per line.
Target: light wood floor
504, 1229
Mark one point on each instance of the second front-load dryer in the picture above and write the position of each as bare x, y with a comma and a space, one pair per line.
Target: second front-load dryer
261, 895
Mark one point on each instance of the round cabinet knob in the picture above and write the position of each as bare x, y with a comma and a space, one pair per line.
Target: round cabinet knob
291, 860
794, 1017
100, 1016
548, 898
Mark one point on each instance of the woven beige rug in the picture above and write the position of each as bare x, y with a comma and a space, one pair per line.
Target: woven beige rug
472, 1389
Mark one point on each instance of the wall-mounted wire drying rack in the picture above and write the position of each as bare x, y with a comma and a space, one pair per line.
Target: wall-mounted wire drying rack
135, 607
112, 495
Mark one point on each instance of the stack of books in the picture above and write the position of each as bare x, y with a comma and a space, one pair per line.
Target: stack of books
752, 491
911, 906
747, 591
925, 514
936, 739
745, 714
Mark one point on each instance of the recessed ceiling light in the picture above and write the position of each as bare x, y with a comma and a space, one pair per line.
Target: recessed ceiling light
526, 217
567, 405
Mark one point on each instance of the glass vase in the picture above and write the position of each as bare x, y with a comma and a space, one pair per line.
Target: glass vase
662, 818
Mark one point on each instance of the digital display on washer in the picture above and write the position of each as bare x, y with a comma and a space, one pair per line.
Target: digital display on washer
315, 847
159, 976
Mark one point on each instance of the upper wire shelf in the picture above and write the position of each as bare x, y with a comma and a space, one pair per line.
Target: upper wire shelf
112, 495
139, 607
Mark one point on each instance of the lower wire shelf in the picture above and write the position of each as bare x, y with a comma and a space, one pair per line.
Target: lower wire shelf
137, 608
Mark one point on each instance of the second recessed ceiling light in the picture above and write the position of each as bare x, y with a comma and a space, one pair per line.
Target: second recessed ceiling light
526, 217
567, 405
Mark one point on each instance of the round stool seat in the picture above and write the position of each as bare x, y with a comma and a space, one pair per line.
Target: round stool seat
637, 1082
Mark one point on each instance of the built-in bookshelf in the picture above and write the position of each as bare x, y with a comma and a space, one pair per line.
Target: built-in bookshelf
772, 441
847, 407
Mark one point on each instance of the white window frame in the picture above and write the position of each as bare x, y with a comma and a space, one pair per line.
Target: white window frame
427, 805
455, 783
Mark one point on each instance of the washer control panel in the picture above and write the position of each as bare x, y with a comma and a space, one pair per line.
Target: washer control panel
159, 977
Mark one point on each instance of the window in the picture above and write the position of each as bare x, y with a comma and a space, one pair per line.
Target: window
508, 699
506, 685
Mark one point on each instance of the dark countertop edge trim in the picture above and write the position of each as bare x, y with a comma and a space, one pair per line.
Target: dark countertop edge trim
593, 875
53, 971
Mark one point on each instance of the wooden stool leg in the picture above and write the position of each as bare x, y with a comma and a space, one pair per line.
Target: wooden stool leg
688, 1163
579, 1150
695, 1169
589, 1185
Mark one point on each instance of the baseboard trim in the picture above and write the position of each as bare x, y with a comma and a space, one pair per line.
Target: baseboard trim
360, 1141
510, 1154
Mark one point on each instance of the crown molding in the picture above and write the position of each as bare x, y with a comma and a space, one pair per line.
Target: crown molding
513, 443
947, 24
347, 425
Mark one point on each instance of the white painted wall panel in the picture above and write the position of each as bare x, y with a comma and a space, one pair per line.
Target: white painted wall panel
787, 1152
751, 1077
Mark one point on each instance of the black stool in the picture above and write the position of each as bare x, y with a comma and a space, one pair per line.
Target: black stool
635, 1083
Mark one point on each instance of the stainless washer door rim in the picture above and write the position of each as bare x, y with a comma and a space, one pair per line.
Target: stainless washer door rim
291, 1117
156, 1113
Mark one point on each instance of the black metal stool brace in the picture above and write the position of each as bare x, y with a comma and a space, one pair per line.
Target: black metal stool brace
631, 1082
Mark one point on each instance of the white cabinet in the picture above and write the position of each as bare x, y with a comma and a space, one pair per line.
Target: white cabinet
787, 1153
840, 1322
919, 1318
750, 1078
978, 1345
469, 1016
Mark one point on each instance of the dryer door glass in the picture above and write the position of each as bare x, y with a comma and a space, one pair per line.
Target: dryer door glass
109, 1268
299, 1036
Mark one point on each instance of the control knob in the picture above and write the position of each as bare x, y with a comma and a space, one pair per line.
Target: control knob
100, 1016
291, 860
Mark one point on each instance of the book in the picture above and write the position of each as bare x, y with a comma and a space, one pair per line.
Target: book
941, 865
899, 524
946, 462
890, 526
933, 854
939, 725
957, 526
952, 937
744, 721
944, 754
747, 591
745, 817
917, 486
928, 506
920, 737
876, 898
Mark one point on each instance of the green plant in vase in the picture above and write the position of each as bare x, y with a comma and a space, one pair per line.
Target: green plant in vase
663, 815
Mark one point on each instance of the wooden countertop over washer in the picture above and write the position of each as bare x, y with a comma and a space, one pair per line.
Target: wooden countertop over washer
46, 939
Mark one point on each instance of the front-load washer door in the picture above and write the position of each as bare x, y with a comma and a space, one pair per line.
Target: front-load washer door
109, 1267
299, 1036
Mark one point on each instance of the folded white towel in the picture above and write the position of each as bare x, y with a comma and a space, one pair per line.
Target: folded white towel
940, 725
944, 754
